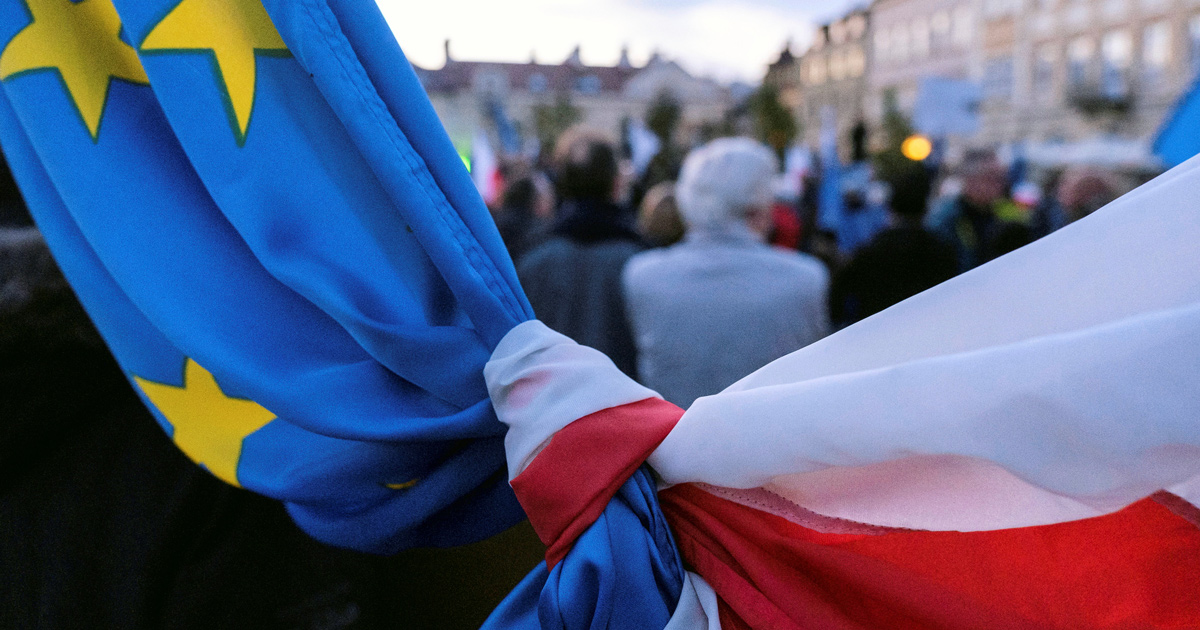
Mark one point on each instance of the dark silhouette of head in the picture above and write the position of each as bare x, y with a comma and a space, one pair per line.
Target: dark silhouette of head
911, 187
585, 165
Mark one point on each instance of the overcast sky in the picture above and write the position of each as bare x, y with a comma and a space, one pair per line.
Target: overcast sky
723, 39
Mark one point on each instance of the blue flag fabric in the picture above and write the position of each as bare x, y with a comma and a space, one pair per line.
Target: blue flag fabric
258, 207
623, 573
1179, 138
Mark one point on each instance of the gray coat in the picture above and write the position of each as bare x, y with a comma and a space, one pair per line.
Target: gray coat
712, 309
575, 289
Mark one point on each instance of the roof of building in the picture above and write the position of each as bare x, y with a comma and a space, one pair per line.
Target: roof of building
457, 75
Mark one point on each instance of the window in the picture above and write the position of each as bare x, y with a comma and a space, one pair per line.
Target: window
817, 69
1044, 63
998, 79
491, 82
900, 41
964, 27
1194, 36
939, 30
837, 32
538, 83
998, 8
1079, 60
1078, 15
920, 38
856, 26
1117, 51
1116, 9
856, 62
882, 51
837, 66
589, 84
1156, 54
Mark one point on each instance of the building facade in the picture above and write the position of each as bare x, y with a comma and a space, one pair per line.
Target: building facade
783, 74
1059, 71
915, 39
473, 97
833, 74
1049, 72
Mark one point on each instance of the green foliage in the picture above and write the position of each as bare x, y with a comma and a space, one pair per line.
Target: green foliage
890, 163
773, 123
724, 128
662, 116
551, 120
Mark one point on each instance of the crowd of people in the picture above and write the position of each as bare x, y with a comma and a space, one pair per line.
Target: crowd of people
698, 281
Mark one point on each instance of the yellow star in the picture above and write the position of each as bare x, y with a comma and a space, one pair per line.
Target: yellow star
209, 426
81, 41
234, 30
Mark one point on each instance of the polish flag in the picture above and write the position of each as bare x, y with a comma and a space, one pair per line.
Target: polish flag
1016, 448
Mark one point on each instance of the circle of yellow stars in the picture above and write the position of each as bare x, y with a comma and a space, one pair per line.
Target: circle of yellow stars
82, 42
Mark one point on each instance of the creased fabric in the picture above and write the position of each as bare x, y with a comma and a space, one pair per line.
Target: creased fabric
259, 209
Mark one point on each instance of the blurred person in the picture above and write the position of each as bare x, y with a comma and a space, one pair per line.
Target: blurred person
104, 523
900, 262
808, 209
980, 222
658, 217
1048, 216
1083, 191
785, 213
525, 209
1027, 195
863, 210
785, 226
722, 303
573, 279
848, 208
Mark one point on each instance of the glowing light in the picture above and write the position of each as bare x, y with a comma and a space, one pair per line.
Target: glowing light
916, 148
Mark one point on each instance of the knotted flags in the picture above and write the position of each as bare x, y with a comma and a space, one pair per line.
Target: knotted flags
259, 209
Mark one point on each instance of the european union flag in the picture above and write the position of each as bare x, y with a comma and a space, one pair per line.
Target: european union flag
261, 212
1179, 138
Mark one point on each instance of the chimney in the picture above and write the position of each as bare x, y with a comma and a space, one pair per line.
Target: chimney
575, 59
624, 62
446, 46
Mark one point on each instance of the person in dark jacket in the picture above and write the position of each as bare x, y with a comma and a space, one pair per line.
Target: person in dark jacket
573, 279
526, 205
981, 223
104, 523
898, 263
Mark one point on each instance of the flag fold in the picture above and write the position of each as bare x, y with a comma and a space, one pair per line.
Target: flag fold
259, 209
